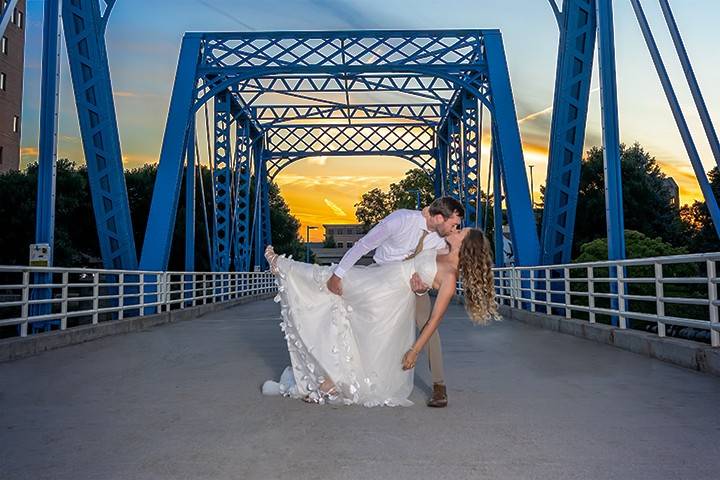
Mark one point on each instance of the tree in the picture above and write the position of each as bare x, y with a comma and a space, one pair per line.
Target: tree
701, 231
637, 245
76, 240
377, 204
647, 203
373, 207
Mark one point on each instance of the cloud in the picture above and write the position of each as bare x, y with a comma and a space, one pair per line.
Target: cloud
322, 160
29, 152
336, 210
546, 110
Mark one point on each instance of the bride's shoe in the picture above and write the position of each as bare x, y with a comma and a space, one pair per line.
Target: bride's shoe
323, 396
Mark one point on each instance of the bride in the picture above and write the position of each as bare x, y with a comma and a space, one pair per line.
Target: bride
349, 349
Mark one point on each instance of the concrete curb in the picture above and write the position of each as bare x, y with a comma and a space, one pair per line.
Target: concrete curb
680, 352
22, 347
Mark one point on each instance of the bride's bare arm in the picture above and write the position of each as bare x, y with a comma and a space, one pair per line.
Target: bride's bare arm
445, 294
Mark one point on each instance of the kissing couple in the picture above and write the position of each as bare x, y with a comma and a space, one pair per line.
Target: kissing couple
350, 329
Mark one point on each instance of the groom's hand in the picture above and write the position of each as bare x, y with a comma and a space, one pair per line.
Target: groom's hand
417, 285
334, 284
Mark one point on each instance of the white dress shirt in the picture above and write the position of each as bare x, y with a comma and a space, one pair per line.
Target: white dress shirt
394, 239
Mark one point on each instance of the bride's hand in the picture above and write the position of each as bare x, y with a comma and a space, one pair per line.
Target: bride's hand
409, 359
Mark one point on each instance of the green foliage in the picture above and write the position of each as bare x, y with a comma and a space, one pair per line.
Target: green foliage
76, 241
377, 204
637, 245
647, 203
373, 207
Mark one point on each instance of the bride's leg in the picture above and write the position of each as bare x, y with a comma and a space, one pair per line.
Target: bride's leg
271, 257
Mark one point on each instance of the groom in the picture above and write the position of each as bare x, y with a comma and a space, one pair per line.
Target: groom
400, 236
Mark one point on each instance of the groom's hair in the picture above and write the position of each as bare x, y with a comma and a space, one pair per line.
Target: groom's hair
446, 206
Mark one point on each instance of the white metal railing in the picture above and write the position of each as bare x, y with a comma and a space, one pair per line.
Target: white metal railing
68, 297
656, 292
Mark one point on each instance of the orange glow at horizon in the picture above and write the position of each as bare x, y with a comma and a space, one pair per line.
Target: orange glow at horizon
325, 190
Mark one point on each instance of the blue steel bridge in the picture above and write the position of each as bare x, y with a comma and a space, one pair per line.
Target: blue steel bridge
602, 370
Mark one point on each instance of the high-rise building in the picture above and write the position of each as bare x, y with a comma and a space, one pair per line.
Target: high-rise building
12, 46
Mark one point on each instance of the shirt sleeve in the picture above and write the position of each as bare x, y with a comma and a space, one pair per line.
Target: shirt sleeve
376, 236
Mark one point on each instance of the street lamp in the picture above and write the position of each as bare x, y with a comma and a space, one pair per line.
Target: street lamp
307, 242
532, 190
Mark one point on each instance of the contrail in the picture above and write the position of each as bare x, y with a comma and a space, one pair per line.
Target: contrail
546, 110
225, 13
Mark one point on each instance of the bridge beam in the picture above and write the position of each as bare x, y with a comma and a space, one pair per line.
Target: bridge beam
509, 152
84, 28
163, 208
573, 73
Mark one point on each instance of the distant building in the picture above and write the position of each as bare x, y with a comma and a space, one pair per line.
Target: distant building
12, 45
344, 237
672, 187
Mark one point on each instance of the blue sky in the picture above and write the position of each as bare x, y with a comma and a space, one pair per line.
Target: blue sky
144, 37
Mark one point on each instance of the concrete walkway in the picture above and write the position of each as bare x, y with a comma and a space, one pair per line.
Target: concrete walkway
182, 401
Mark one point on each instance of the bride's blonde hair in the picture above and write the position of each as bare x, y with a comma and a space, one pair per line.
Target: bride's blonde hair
477, 278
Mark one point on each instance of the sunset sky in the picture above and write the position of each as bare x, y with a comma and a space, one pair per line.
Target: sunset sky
144, 37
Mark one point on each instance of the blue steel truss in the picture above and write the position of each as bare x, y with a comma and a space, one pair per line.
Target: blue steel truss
580, 22
411, 94
84, 28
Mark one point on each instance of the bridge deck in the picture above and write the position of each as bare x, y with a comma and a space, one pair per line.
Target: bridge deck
183, 401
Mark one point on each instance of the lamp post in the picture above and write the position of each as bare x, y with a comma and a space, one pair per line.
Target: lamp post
307, 242
532, 190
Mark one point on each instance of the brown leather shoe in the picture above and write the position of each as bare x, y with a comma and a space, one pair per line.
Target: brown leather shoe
439, 396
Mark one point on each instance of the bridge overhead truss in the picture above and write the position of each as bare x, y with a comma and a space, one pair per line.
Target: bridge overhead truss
417, 95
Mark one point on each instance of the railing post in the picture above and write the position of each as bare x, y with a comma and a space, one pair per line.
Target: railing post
121, 296
64, 301
533, 284
659, 301
141, 280
96, 300
621, 296
566, 274
548, 307
712, 297
591, 293
24, 310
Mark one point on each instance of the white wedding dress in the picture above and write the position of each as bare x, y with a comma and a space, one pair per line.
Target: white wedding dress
357, 341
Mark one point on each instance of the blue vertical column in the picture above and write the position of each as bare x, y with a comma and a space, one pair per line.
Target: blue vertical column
241, 212
610, 132
222, 181
470, 156
163, 208
47, 152
611, 141
190, 209
497, 209
454, 160
508, 152
265, 209
260, 202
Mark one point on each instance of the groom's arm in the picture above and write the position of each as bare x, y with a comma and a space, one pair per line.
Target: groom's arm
373, 239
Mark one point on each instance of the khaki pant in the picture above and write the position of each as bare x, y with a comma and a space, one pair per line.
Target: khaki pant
422, 315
